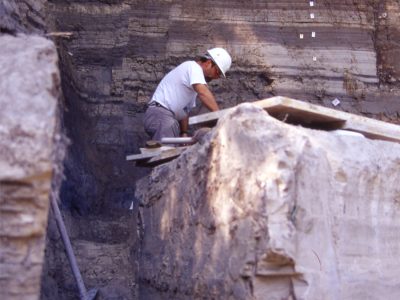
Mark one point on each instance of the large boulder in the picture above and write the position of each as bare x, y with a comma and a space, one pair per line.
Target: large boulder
265, 210
29, 88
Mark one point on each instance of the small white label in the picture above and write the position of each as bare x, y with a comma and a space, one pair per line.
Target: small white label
301, 36
312, 16
314, 58
311, 3
313, 34
336, 102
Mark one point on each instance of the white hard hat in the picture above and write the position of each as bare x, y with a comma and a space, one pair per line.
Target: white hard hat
222, 58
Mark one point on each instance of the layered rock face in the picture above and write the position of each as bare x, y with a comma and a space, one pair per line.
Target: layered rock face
27, 16
304, 214
120, 50
29, 88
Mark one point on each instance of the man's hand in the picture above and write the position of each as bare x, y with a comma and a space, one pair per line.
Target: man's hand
206, 97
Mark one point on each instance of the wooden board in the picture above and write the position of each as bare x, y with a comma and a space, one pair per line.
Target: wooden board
154, 158
143, 156
314, 116
163, 157
290, 111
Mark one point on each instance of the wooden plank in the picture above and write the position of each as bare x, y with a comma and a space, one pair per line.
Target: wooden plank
373, 129
164, 157
299, 112
157, 157
157, 149
291, 111
303, 112
208, 118
143, 156
279, 107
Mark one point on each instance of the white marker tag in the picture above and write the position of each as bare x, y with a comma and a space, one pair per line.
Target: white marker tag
314, 58
312, 16
311, 3
301, 36
336, 102
313, 34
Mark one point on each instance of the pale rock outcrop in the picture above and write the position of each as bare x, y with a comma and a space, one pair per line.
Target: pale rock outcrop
264, 210
29, 88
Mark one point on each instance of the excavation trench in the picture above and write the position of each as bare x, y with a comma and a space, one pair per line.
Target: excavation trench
111, 55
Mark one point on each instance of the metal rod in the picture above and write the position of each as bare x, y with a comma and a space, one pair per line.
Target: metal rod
177, 140
69, 250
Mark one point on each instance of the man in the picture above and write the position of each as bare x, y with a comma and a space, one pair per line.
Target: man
167, 114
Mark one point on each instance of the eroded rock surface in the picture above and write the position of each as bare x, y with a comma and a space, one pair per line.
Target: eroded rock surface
265, 210
29, 88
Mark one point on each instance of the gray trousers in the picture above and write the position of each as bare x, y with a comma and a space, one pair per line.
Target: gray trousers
159, 122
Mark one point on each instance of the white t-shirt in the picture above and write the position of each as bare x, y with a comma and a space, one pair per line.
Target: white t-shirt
175, 91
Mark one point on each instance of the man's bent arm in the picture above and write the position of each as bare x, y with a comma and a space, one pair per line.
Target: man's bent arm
206, 97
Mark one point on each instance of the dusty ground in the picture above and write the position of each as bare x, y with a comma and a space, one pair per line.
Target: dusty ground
106, 252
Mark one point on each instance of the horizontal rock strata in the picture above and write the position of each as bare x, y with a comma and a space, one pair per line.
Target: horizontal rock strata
137, 42
27, 16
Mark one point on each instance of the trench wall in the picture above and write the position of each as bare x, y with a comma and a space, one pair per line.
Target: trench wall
120, 50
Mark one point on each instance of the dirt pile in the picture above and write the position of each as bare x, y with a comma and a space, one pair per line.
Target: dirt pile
265, 210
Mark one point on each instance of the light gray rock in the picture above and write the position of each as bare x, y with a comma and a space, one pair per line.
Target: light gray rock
29, 88
266, 210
